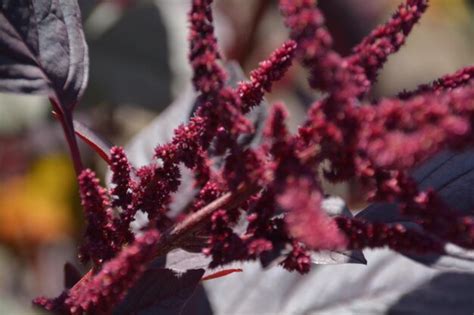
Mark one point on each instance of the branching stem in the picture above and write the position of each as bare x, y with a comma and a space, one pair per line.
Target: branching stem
172, 238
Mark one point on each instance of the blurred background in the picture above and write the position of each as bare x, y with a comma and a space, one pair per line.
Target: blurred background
138, 65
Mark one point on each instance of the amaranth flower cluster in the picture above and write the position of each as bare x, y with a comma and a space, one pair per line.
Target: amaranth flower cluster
276, 187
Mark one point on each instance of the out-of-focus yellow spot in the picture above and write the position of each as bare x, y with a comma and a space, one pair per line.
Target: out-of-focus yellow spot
36, 208
453, 9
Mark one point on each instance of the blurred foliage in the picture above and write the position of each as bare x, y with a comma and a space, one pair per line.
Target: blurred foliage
441, 43
128, 48
36, 207
453, 8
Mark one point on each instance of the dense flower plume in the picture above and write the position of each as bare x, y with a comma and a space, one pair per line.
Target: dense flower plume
99, 243
121, 179
121, 193
306, 222
269, 71
99, 292
276, 187
386, 39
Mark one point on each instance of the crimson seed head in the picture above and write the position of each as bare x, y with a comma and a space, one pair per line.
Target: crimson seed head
100, 243
112, 282
306, 220
298, 259
101, 291
269, 71
387, 39
120, 169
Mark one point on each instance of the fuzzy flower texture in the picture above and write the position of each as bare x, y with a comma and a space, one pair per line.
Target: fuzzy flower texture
276, 186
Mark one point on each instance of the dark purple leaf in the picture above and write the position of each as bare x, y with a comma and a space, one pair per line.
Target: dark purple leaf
384, 284
198, 304
160, 291
451, 174
43, 50
71, 275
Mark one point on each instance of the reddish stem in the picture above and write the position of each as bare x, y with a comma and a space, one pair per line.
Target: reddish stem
65, 117
194, 221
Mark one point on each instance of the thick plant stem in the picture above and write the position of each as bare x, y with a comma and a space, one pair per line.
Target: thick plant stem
173, 237
65, 117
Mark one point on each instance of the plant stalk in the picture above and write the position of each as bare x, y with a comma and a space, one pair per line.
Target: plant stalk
65, 117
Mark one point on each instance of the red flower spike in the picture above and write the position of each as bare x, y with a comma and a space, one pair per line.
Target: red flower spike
435, 216
305, 219
100, 238
330, 124
246, 166
269, 71
297, 260
210, 192
275, 128
111, 283
372, 53
265, 231
52, 305
360, 235
108, 287
328, 70
122, 194
153, 192
425, 208
208, 76
258, 246
120, 168
403, 133
448, 82
224, 245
